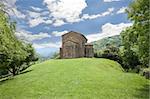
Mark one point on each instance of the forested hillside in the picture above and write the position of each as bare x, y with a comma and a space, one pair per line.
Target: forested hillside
102, 43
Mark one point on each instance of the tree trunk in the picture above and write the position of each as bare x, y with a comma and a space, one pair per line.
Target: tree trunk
13, 71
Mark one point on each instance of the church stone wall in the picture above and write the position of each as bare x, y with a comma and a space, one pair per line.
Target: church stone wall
73, 45
89, 51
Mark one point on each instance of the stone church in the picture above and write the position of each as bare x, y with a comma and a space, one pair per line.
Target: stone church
74, 45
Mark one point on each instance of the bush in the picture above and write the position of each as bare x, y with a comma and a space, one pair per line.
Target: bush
129, 59
98, 54
112, 57
145, 72
110, 52
56, 55
3, 72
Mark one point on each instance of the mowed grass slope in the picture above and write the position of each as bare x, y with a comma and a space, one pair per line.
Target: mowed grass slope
75, 79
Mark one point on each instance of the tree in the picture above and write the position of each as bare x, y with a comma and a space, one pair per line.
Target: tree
135, 39
16, 65
129, 53
31, 57
139, 13
13, 52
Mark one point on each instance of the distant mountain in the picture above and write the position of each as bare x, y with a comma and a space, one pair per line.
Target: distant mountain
101, 44
43, 57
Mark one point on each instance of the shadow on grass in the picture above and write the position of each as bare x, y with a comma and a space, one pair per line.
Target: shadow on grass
144, 92
26, 71
3, 80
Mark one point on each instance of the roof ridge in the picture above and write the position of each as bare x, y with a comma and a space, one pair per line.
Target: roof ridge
75, 32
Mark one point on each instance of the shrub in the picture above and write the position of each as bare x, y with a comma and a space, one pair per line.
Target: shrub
145, 72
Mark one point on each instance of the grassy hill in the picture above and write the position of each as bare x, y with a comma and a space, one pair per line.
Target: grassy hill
75, 79
101, 44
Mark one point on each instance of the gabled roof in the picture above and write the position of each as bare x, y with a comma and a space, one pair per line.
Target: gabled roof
76, 33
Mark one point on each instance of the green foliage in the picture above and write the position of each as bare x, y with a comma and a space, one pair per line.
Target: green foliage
136, 38
129, 52
101, 44
31, 54
145, 72
110, 52
56, 55
108, 48
13, 52
82, 78
3, 72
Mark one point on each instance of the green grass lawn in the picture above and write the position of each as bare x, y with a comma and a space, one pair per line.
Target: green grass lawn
75, 79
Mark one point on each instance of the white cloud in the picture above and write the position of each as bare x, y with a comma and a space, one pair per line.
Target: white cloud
33, 14
17, 13
12, 8
48, 21
29, 37
58, 22
62, 12
35, 18
57, 33
111, 0
7, 2
45, 13
108, 30
121, 10
70, 11
47, 45
87, 16
36, 9
36, 21
65, 10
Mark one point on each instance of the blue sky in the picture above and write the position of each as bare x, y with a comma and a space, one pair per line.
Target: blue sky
42, 22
